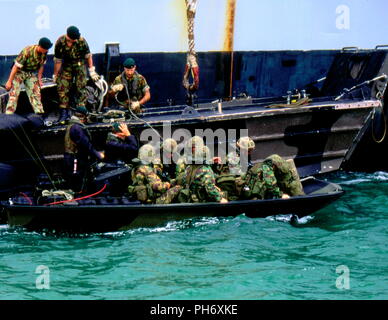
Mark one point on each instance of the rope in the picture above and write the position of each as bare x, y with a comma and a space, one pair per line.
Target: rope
37, 156
31, 155
77, 199
191, 61
135, 116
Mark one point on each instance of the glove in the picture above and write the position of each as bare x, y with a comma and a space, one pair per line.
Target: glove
135, 106
93, 74
55, 78
117, 87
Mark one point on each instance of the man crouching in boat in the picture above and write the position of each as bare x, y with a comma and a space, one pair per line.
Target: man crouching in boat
78, 151
147, 186
198, 180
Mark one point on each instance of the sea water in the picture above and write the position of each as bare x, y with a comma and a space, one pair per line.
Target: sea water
338, 253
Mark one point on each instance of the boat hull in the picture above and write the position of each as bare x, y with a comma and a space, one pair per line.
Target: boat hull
105, 218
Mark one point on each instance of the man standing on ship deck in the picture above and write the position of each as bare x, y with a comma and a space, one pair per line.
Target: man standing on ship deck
131, 87
70, 54
28, 69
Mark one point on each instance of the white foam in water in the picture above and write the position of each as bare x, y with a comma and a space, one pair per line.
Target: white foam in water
376, 176
287, 218
4, 226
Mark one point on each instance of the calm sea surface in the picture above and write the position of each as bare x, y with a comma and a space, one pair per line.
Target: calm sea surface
339, 253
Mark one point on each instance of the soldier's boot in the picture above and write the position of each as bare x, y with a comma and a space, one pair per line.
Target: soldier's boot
64, 116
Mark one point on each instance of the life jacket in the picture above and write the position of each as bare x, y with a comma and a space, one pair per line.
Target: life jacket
70, 146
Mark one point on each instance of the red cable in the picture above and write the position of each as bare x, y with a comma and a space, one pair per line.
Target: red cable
26, 197
77, 199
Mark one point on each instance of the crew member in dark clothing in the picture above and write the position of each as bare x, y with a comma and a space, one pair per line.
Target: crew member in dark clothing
121, 145
79, 151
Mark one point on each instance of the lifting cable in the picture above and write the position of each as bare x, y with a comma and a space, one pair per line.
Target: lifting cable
191, 62
35, 157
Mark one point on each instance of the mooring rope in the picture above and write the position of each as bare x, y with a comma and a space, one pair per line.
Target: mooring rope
191, 62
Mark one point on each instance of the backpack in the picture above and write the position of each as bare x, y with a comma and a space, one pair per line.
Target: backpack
231, 185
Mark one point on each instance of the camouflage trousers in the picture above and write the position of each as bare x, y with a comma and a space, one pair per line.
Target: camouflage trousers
31, 84
169, 196
66, 78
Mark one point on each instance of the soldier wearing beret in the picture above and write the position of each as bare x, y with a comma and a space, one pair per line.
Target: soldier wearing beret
131, 87
121, 145
28, 70
70, 54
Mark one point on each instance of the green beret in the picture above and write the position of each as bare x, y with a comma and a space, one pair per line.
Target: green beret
129, 63
82, 110
73, 33
116, 127
45, 43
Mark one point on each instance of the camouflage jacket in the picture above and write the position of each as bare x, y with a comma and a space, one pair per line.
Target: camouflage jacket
261, 183
234, 166
74, 55
145, 175
202, 183
137, 86
29, 59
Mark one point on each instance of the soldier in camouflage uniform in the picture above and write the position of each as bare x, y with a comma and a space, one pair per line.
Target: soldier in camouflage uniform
146, 184
168, 167
132, 87
198, 180
233, 165
286, 175
28, 69
261, 183
71, 53
231, 175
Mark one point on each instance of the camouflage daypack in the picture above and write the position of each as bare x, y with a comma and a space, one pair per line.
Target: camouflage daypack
143, 192
231, 185
286, 175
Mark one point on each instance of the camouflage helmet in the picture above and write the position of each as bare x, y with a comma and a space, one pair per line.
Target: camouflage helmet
196, 141
169, 145
246, 143
146, 153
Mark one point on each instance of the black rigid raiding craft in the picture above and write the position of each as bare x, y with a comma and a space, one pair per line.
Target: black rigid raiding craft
102, 216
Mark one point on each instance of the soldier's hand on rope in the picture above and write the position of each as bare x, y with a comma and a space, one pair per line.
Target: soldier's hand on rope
117, 87
135, 106
93, 74
223, 200
285, 196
